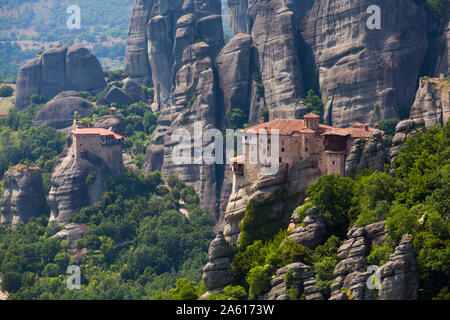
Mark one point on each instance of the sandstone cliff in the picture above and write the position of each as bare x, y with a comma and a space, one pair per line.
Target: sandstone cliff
23, 197
360, 68
70, 191
56, 70
432, 102
366, 153
217, 273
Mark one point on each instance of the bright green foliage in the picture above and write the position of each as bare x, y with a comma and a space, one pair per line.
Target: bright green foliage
333, 195
379, 254
314, 103
238, 118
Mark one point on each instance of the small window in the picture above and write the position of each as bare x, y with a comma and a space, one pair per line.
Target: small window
334, 163
306, 149
281, 160
282, 149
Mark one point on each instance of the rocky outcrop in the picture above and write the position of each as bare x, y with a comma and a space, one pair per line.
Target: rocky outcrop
350, 281
291, 183
233, 64
404, 130
137, 65
59, 112
56, 70
276, 40
23, 197
194, 105
71, 233
443, 61
217, 273
302, 282
118, 96
171, 28
366, 153
432, 102
114, 122
70, 189
134, 90
237, 11
312, 231
361, 68
400, 275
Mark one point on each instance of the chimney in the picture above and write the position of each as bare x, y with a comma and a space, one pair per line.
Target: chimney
262, 120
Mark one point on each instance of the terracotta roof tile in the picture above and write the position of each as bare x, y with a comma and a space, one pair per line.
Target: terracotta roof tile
97, 131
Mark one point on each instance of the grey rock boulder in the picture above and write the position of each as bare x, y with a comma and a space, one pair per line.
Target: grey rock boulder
118, 96
312, 231
23, 197
59, 112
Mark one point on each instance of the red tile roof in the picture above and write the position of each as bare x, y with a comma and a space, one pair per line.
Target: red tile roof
289, 127
97, 131
311, 116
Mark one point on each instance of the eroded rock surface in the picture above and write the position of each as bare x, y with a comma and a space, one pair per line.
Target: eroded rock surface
56, 70
312, 231
23, 197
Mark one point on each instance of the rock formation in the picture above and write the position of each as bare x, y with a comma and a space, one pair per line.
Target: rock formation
117, 96
23, 197
217, 273
400, 275
361, 68
366, 153
292, 183
115, 122
404, 130
194, 103
70, 190
312, 231
303, 282
443, 61
71, 233
59, 112
56, 70
134, 90
432, 102
137, 65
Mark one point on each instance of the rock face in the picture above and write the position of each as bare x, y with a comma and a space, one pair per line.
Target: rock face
359, 68
352, 255
134, 90
443, 63
404, 130
312, 232
56, 70
292, 183
118, 96
23, 197
70, 191
71, 233
432, 102
59, 112
303, 282
366, 153
400, 275
137, 66
276, 40
115, 122
194, 105
217, 273
237, 11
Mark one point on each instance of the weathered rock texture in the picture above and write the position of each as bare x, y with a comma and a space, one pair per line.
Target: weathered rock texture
194, 103
118, 96
23, 197
56, 70
432, 102
312, 231
352, 255
70, 192
291, 183
366, 153
114, 122
443, 62
275, 37
71, 233
303, 282
359, 68
404, 130
400, 275
137, 65
59, 112
217, 273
